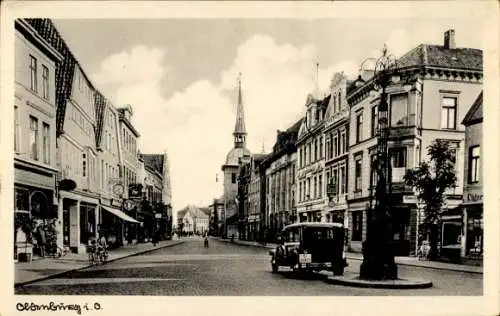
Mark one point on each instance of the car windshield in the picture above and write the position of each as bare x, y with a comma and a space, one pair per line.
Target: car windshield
312, 234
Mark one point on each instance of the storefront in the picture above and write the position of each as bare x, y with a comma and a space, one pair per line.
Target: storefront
114, 224
34, 203
80, 218
473, 219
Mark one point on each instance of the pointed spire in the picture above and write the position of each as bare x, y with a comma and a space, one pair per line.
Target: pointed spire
239, 128
317, 93
263, 148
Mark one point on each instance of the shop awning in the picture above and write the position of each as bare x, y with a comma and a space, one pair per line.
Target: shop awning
119, 214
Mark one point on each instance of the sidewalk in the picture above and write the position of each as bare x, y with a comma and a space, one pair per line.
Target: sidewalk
408, 261
28, 272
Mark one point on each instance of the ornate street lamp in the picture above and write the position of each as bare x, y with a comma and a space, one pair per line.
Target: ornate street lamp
378, 255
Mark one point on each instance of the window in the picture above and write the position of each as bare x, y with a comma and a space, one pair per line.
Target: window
340, 101
335, 149
309, 149
399, 110
308, 188
233, 177
335, 182
373, 173
315, 192
449, 113
46, 143
357, 174
45, 82
328, 144
359, 127
343, 142
474, 164
84, 165
398, 157
16, 129
33, 138
337, 144
343, 180
316, 150
321, 147
320, 186
374, 120
357, 226
33, 71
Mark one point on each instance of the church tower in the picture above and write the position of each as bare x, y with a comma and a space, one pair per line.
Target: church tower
240, 133
238, 153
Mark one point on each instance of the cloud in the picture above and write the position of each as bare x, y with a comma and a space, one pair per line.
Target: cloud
195, 125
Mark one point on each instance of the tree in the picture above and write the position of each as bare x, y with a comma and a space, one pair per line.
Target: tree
431, 180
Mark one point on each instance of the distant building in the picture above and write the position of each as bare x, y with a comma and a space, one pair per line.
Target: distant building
193, 220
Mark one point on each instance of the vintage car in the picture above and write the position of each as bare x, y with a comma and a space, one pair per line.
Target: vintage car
311, 246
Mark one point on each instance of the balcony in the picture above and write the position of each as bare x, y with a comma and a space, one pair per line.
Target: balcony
398, 184
396, 132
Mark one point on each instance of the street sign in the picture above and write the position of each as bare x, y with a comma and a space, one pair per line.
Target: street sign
157, 215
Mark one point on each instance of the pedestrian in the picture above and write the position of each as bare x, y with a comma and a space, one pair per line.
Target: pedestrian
154, 238
41, 240
205, 243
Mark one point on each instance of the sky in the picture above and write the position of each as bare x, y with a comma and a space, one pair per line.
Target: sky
180, 77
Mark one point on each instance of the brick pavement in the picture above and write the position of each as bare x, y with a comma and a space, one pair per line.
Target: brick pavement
409, 261
27, 272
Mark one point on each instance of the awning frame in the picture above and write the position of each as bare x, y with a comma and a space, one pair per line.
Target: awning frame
120, 214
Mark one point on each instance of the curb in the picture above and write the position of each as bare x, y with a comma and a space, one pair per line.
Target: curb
247, 245
465, 270
391, 284
58, 274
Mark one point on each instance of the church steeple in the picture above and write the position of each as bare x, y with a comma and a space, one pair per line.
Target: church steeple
239, 128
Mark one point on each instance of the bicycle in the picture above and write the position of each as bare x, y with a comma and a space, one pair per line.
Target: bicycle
54, 251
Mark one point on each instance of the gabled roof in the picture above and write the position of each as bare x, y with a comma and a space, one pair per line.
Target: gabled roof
100, 108
65, 70
439, 56
154, 161
194, 211
475, 113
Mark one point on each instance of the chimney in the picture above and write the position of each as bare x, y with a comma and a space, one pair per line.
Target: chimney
449, 39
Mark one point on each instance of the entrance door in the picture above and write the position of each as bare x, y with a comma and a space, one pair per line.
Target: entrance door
66, 225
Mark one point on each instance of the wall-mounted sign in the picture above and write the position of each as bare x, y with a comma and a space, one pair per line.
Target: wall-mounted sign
128, 205
157, 215
118, 189
116, 202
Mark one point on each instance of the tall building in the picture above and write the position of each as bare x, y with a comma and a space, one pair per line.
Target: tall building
129, 137
280, 178
336, 136
35, 167
76, 147
444, 82
230, 169
462, 227
310, 160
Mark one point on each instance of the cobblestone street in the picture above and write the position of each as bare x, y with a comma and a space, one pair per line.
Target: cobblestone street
227, 269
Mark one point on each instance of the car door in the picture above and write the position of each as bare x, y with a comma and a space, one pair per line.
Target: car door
291, 243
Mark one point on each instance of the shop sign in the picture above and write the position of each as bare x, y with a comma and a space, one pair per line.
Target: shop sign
116, 202
474, 197
128, 205
409, 199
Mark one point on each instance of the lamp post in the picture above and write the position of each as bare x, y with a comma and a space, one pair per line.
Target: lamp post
378, 256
